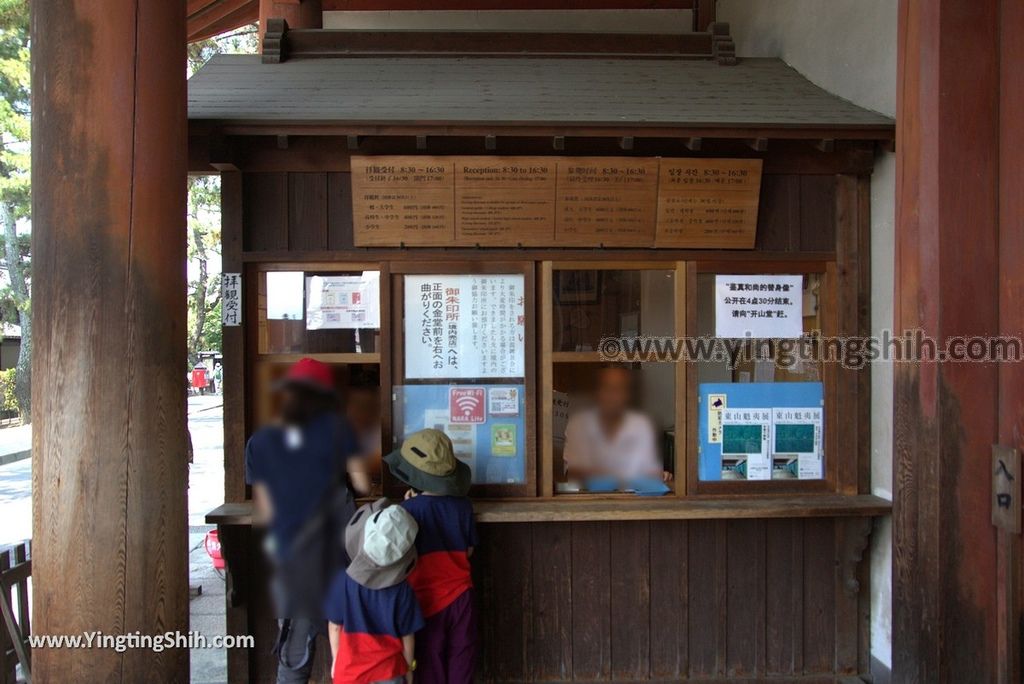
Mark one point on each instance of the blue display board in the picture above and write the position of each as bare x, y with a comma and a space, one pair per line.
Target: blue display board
486, 424
738, 395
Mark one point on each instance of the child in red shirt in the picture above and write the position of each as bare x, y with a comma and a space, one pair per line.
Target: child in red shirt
446, 646
372, 610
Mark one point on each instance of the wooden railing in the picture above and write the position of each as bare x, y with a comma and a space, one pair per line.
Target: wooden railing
15, 571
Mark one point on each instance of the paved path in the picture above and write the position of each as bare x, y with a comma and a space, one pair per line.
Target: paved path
15, 444
206, 491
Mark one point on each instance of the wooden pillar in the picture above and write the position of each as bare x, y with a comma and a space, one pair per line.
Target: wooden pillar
948, 258
300, 14
110, 548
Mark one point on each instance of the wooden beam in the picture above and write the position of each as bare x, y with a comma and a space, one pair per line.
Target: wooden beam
220, 16
947, 283
1010, 597
337, 43
484, 5
110, 549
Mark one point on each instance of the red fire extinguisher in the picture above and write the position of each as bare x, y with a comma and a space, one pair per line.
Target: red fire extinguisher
212, 545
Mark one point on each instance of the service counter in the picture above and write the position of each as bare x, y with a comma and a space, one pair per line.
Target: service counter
462, 262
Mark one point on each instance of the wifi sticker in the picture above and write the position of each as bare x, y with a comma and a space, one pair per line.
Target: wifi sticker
466, 405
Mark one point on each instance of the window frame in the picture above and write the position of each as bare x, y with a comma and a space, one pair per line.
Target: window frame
397, 271
829, 378
549, 357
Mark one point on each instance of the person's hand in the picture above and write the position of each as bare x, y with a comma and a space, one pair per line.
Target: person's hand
666, 476
408, 495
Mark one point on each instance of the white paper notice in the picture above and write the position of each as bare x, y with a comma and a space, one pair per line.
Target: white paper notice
758, 306
231, 299
797, 433
745, 434
349, 302
464, 326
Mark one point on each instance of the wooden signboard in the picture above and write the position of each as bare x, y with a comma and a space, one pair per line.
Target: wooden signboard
606, 201
555, 202
403, 200
504, 201
708, 203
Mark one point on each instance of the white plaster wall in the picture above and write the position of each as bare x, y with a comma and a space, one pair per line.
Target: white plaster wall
848, 47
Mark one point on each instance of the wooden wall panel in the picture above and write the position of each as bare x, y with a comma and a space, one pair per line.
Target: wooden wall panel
783, 579
817, 223
339, 211
630, 599
550, 643
819, 596
265, 211
745, 614
307, 211
778, 216
708, 603
591, 615
669, 594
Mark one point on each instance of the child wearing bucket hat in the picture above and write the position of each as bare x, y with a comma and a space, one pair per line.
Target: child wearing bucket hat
372, 610
446, 646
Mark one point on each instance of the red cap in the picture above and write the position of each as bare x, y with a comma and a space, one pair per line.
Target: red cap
310, 373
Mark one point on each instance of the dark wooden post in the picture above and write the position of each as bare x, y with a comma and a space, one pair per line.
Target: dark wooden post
109, 473
948, 257
300, 14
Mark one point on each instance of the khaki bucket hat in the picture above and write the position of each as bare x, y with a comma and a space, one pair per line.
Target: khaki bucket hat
381, 541
426, 461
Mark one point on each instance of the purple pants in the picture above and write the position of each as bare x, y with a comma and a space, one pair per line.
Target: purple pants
446, 646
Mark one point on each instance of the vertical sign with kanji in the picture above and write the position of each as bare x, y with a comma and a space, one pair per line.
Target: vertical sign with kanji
231, 299
1006, 489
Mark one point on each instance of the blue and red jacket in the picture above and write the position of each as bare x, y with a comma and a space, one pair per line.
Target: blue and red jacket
373, 622
447, 532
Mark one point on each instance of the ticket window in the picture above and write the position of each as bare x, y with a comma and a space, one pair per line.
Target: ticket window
761, 389
464, 364
613, 420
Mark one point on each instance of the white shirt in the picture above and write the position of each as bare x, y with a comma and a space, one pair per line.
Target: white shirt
631, 452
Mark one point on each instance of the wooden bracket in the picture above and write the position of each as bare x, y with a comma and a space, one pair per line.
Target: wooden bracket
558, 142
421, 142
221, 156
758, 144
723, 49
826, 145
694, 144
490, 142
626, 142
855, 542
273, 41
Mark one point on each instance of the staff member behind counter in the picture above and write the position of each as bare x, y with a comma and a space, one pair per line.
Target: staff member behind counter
610, 439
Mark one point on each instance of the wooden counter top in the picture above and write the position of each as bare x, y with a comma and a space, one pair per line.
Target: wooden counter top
565, 508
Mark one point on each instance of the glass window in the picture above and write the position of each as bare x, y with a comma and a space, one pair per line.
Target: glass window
613, 427
589, 305
761, 413
320, 312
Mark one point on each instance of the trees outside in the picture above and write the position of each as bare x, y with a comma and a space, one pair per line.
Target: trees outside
204, 218
15, 195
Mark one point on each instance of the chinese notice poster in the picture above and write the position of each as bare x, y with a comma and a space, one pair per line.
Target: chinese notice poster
758, 306
464, 326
